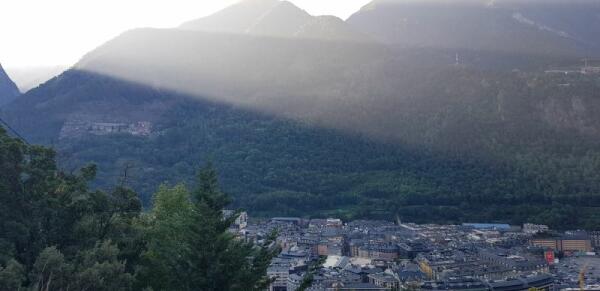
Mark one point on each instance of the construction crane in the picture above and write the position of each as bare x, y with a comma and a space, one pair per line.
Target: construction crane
582, 278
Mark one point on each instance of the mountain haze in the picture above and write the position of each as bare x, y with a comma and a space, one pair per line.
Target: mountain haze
303, 119
533, 27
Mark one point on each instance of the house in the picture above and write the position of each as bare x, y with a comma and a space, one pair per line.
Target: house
384, 280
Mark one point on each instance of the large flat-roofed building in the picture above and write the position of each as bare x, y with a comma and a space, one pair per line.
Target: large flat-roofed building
576, 244
385, 252
536, 282
547, 243
488, 226
567, 243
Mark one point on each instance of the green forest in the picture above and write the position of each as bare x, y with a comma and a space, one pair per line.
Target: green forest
58, 234
474, 146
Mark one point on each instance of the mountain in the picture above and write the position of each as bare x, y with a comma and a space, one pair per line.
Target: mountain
8, 89
533, 27
324, 126
274, 18
282, 76
530, 170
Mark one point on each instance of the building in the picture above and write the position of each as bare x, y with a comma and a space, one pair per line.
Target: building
576, 243
108, 127
467, 284
356, 287
334, 222
411, 250
591, 70
354, 245
385, 252
80, 126
287, 220
567, 243
546, 243
591, 66
335, 249
280, 274
488, 226
294, 282
240, 222
595, 239
384, 280
530, 228
536, 282
512, 262
322, 248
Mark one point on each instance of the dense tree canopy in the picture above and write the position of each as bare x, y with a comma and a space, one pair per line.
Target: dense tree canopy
189, 248
56, 234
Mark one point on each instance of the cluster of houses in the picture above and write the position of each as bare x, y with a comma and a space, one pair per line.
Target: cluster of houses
589, 67
78, 128
328, 254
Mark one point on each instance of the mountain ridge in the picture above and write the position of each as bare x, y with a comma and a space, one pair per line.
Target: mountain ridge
274, 18
8, 88
538, 27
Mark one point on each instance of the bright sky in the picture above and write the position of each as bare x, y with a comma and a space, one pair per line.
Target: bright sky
59, 32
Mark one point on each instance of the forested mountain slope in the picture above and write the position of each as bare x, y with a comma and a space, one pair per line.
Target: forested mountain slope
529, 157
313, 126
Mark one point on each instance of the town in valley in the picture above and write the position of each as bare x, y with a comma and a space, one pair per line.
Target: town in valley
329, 254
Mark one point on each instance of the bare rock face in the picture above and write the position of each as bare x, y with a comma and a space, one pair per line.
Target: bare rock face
8, 89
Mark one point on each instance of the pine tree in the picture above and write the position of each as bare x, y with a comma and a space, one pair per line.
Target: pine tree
189, 245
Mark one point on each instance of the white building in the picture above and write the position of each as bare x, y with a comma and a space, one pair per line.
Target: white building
530, 228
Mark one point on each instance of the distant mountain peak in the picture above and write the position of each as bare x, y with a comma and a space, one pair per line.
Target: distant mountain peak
272, 18
236, 18
282, 20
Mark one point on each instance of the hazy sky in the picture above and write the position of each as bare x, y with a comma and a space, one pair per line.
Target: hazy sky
59, 32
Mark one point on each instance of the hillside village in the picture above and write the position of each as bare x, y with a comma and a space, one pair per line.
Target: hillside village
79, 128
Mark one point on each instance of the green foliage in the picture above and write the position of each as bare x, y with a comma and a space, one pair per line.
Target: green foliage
12, 276
51, 271
100, 269
189, 246
56, 234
